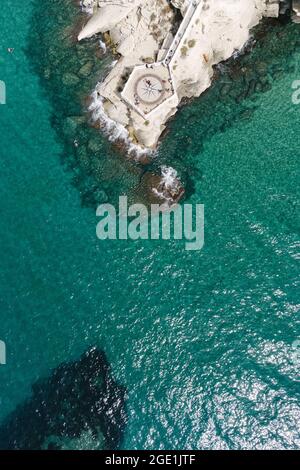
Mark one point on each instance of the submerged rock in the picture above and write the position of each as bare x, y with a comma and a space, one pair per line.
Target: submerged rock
70, 79
165, 188
86, 69
80, 399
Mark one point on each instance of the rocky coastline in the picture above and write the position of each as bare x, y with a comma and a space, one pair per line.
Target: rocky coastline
70, 75
166, 53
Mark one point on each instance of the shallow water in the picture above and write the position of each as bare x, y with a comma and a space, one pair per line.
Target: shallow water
202, 341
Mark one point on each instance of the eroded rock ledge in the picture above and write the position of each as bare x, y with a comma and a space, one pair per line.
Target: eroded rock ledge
167, 50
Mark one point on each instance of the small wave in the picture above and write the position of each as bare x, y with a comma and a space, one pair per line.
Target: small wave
170, 185
169, 177
87, 6
114, 130
102, 46
249, 44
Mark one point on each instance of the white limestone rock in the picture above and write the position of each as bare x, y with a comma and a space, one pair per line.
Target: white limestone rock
142, 31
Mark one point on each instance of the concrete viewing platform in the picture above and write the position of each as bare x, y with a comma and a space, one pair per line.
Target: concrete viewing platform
151, 85
148, 87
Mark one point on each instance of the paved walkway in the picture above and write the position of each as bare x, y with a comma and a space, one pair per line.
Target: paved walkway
183, 28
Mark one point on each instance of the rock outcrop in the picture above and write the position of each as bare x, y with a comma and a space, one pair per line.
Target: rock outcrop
160, 61
79, 402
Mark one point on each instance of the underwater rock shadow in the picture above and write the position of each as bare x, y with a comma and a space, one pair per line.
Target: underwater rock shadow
78, 396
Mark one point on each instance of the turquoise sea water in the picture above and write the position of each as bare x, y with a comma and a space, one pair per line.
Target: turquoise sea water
202, 342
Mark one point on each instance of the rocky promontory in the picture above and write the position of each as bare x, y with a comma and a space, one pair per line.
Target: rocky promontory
167, 50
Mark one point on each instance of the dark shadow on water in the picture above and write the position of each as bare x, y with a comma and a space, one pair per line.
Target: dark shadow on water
79, 397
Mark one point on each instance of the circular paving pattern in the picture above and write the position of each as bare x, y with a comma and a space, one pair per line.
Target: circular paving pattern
149, 89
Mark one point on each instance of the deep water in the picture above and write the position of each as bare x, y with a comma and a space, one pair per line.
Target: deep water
201, 341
